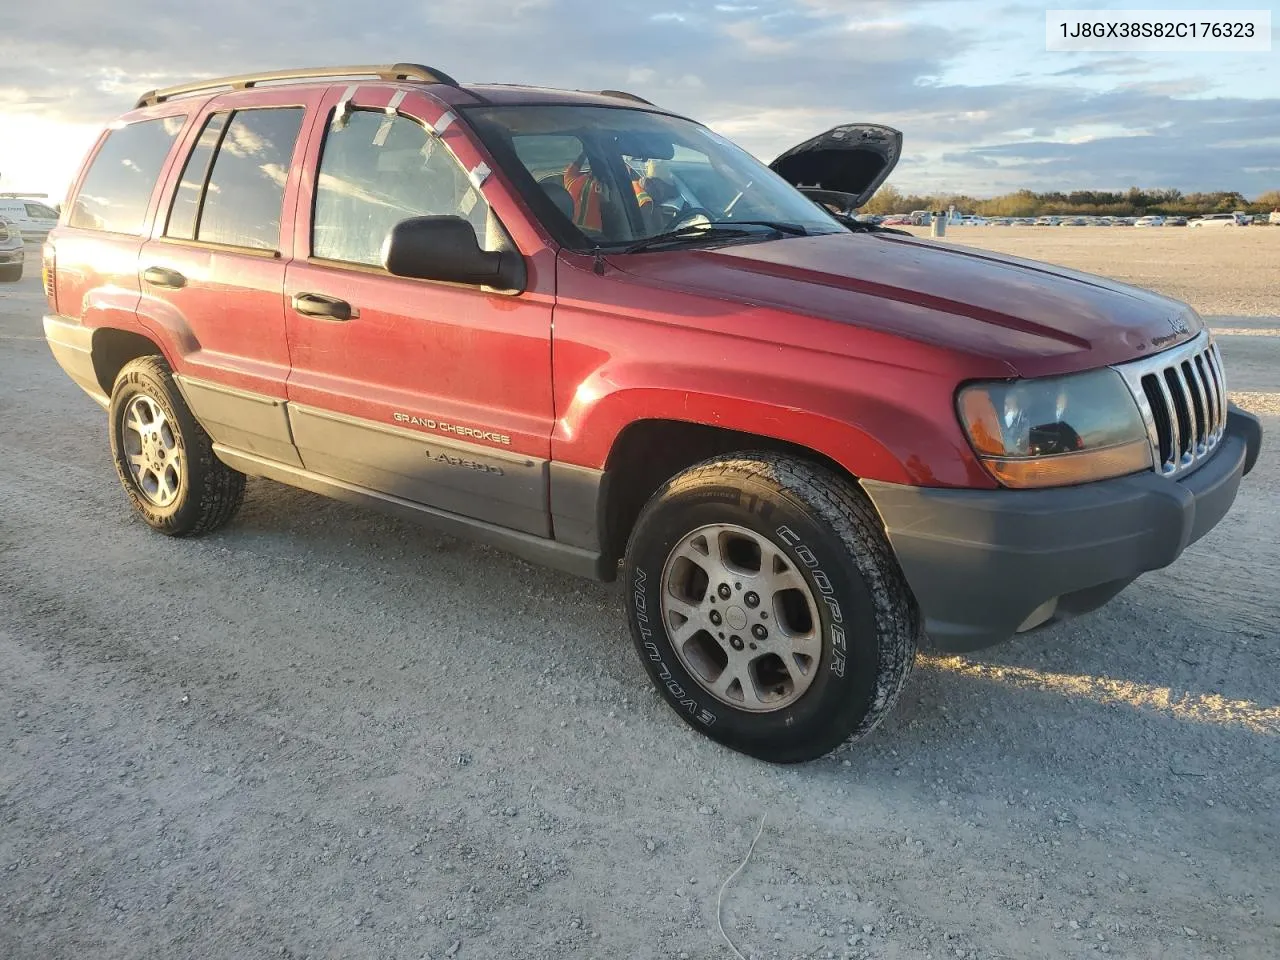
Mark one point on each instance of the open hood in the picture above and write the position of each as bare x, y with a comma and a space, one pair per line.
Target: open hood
844, 166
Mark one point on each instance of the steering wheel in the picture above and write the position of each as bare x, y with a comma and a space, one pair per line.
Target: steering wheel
687, 215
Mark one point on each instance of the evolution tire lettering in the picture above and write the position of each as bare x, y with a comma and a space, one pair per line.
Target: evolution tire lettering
728, 495
674, 687
487, 436
827, 592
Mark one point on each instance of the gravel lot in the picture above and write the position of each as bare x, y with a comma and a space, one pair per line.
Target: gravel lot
323, 733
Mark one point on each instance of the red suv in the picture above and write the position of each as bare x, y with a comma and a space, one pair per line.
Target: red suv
594, 333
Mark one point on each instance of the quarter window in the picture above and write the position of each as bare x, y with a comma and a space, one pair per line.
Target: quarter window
118, 186
245, 192
377, 170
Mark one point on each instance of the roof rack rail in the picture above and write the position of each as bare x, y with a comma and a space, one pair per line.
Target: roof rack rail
623, 95
394, 71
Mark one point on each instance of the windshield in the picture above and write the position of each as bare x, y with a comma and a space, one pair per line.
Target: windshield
609, 176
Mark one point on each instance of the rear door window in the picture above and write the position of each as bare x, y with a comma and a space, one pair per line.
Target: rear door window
185, 209
118, 186
244, 195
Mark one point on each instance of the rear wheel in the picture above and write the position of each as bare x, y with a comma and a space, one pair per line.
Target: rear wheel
164, 457
767, 606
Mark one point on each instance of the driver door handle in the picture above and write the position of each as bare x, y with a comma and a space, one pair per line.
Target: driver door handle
326, 308
164, 277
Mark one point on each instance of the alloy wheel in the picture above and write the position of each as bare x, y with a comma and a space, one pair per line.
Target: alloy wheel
741, 618
152, 450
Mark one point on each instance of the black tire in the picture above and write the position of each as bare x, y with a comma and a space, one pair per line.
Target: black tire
11, 274
824, 525
208, 491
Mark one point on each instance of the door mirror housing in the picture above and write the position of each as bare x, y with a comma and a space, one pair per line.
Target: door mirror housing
445, 248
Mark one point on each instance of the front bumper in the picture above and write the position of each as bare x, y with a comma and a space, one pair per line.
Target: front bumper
985, 563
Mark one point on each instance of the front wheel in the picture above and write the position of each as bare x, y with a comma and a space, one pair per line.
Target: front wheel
164, 457
767, 606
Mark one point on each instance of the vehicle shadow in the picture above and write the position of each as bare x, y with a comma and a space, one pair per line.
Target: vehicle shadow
1102, 699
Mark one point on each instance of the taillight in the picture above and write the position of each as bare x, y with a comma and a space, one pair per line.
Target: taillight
49, 276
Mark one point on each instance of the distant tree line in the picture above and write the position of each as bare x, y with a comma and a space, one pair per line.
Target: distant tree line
1135, 202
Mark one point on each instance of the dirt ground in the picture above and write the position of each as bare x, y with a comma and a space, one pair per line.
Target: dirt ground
323, 733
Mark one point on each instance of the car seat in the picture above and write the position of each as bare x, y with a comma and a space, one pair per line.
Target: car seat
553, 186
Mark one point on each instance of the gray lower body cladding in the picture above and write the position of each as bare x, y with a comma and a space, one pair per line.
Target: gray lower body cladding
982, 563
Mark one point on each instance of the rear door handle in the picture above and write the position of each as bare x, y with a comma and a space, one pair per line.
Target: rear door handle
164, 277
318, 305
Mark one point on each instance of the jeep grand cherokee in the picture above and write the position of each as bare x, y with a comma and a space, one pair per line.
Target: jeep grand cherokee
595, 333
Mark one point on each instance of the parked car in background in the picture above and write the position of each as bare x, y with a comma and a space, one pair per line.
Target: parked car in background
12, 251
1216, 220
33, 218
1175, 222
1149, 222
1274, 218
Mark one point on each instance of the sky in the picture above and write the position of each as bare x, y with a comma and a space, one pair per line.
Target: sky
983, 107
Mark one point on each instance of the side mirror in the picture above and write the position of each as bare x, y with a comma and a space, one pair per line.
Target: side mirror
446, 249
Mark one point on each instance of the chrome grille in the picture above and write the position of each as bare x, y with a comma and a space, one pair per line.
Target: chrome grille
1182, 394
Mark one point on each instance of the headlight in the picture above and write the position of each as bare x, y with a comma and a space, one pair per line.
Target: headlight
1055, 431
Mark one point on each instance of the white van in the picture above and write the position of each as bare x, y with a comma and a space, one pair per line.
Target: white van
1216, 220
29, 214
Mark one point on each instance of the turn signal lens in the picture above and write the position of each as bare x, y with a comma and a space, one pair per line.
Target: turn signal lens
979, 416
1072, 468
1055, 431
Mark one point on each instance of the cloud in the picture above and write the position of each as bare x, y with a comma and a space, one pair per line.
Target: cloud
1125, 66
767, 72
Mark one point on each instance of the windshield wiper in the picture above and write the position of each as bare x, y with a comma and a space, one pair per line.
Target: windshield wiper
713, 230
781, 226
